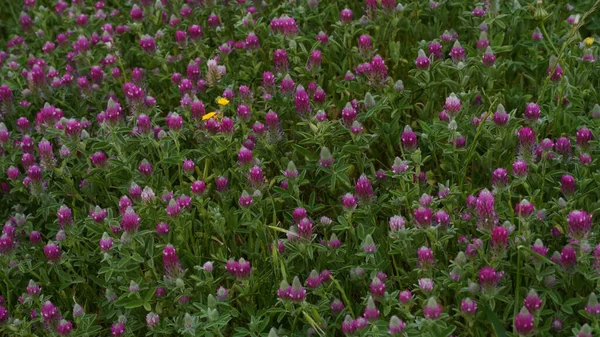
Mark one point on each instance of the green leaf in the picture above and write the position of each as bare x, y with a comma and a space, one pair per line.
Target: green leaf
496, 324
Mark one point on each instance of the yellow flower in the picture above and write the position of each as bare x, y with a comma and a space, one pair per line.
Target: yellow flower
589, 41
222, 101
209, 116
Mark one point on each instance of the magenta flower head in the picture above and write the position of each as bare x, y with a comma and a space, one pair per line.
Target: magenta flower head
457, 53
302, 101
64, 327
423, 216
245, 200
485, 210
152, 320
399, 166
33, 288
532, 111
422, 62
280, 58
349, 202
483, 41
500, 115
130, 220
567, 185
314, 279
520, 168
468, 306
409, 139
532, 301
49, 312
452, 104
364, 45
346, 15
396, 326
435, 49
526, 137
371, 312
106, 242
284, 290
489, 58
563, 146
524, 208
432, 309
426, 285
580, 224
98, 159
537, 34
593, 307
363, 188
145, 168
348, 325
539, 248
162, 228
568, 257
556, 324
489, 277
377, 287
148, 44
117, 329
555, 71
500, 177
584, 136
425, 257
405, 296
524, 322
296, 292
52, 252
441, 218
222, 293
499, 238
64, 215
368, 244
171, 262
221, 184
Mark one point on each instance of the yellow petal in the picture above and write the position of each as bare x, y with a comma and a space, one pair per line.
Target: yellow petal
209, 116
222, 101
589, 41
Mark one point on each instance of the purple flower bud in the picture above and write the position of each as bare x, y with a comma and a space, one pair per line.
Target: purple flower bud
584, 136
457, 53
117, 329
52, 252
106, 242
422, 62
532, 111
520, 168
524, 208
532, 301
49, 312
336, 306
377, 287
346, 15
452, 105
488, 59
568, 257
524, 322
580, 224
432, 309
468, 306
152, 320
425, 257
371, 312
409, 139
